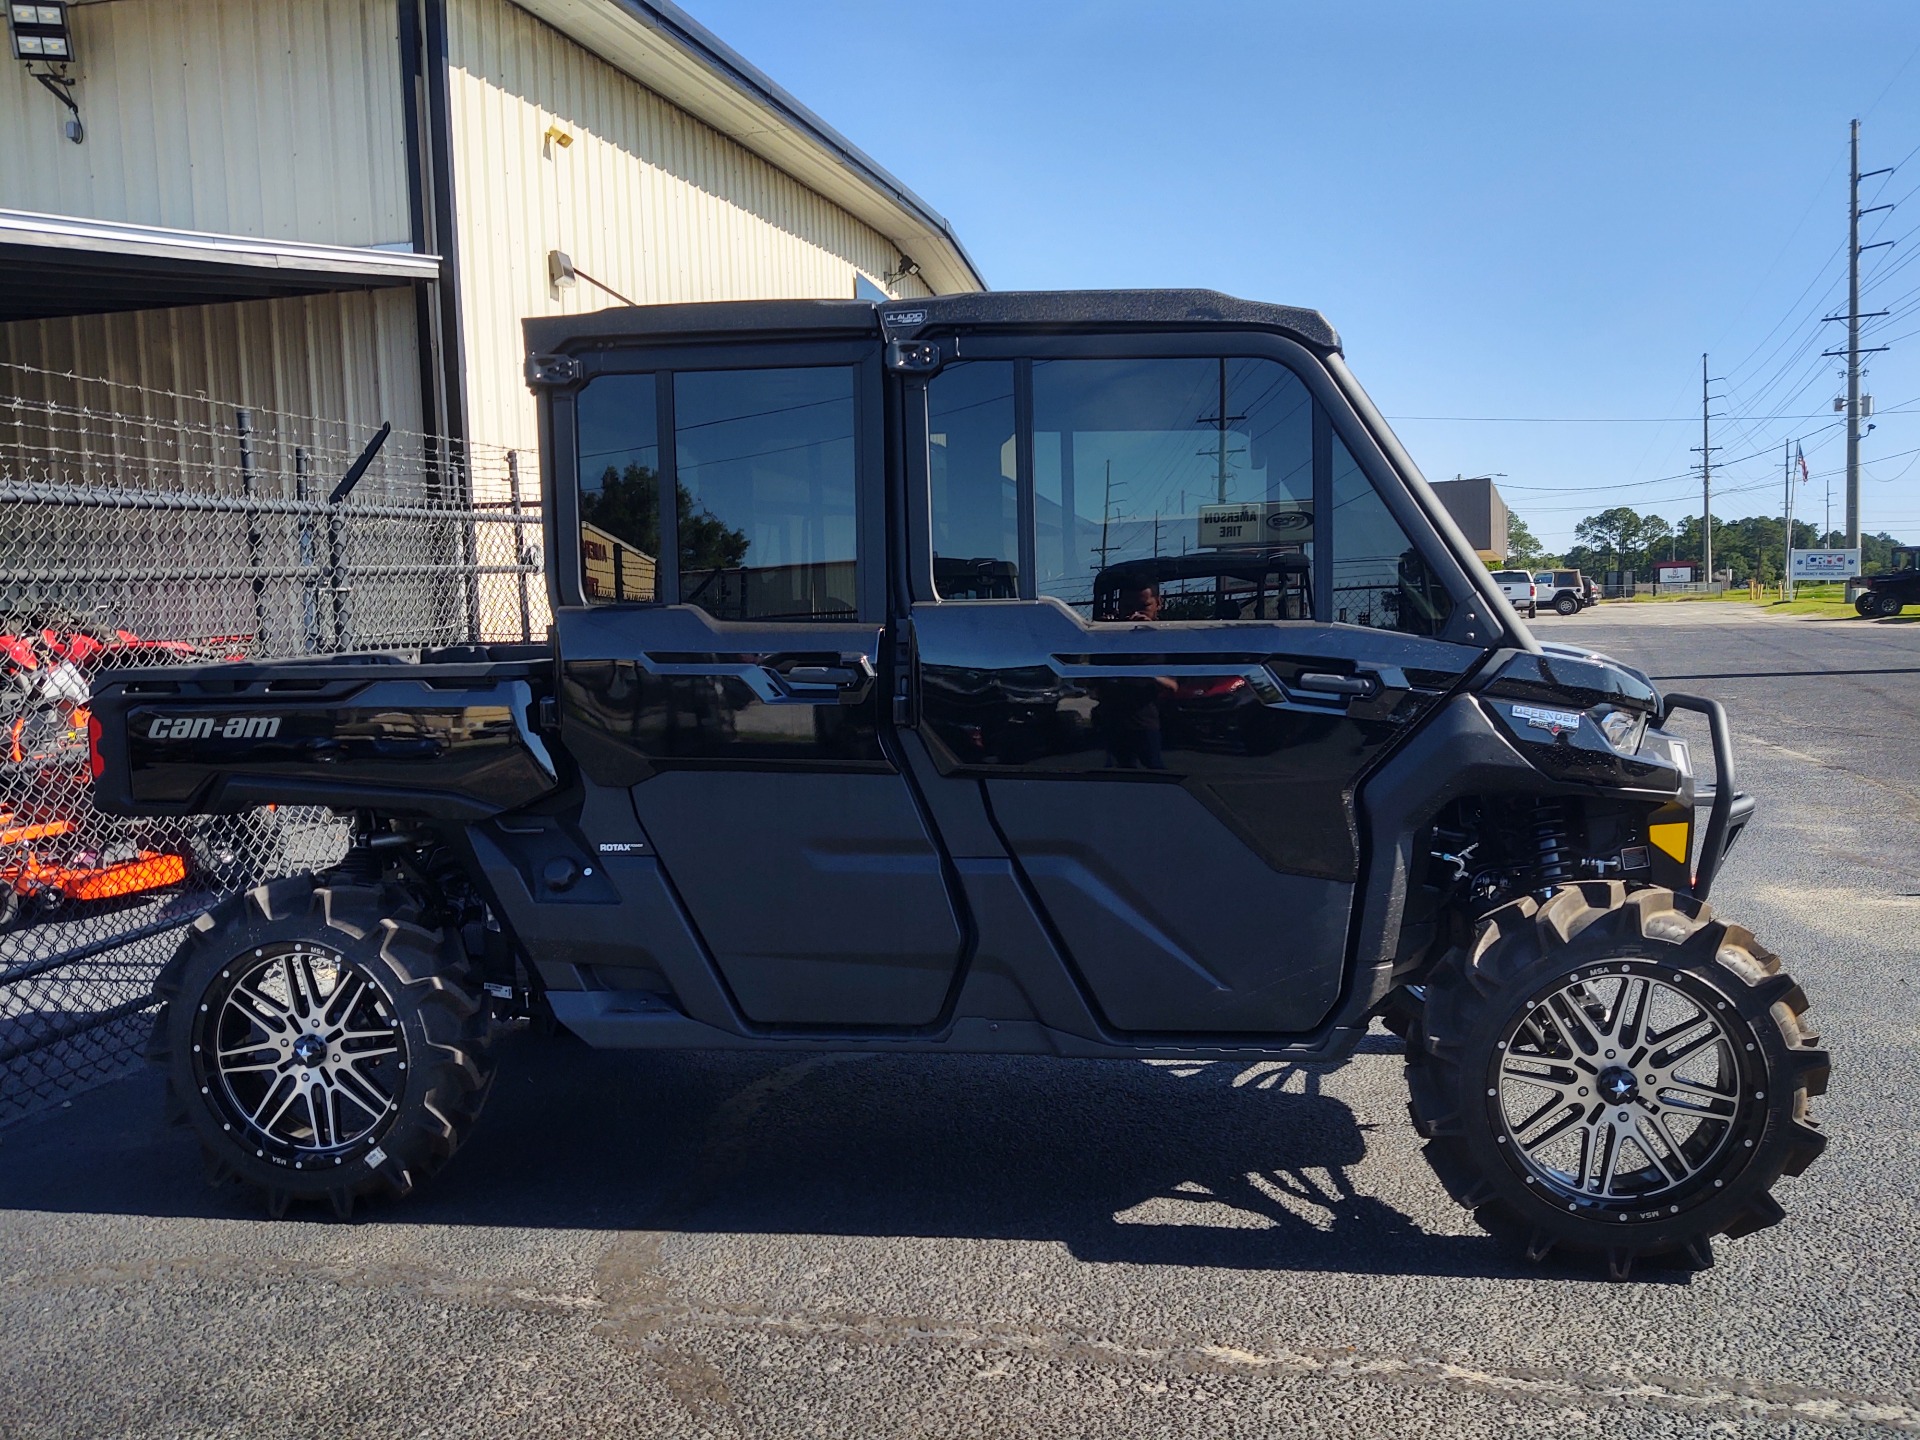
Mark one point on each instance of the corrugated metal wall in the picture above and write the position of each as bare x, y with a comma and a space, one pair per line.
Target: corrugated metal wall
646, 198
338, 364
273, 118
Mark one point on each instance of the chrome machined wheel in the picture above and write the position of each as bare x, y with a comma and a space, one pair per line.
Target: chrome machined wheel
1621, 1087
304, 1049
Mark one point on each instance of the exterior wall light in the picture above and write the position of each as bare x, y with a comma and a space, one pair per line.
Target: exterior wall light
42, 36
560, 271
40, 32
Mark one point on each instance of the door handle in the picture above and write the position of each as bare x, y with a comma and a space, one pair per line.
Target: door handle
848, 680
1361, 686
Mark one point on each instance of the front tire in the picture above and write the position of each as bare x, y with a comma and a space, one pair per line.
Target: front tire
1615, 1074
321, 1044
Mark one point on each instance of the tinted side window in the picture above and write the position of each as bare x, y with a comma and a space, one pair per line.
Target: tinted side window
1379, 578
619, 475
1179, 489
766, 466
973, 478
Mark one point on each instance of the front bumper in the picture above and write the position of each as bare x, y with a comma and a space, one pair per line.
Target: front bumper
1728, 807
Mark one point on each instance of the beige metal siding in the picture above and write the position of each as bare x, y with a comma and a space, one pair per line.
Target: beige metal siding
658, 206
273, 118
321, 371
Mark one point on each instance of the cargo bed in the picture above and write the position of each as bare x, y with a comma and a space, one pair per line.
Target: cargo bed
448, 734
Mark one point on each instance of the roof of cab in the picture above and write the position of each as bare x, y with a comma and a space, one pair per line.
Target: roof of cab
1039, 310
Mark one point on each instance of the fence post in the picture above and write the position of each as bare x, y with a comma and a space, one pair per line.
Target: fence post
337, 572
243, 426
309, 581
519, 545
470, 545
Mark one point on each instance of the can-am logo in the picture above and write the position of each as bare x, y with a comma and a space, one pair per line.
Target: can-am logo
203, 727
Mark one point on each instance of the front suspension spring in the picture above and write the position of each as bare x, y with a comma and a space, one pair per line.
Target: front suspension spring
1551, 845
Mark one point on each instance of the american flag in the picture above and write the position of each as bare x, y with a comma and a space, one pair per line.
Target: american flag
1801, 456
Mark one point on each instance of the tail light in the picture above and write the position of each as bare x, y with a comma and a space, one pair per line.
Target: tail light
96, 762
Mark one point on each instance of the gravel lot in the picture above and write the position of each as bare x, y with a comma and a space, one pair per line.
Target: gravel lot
741, 1245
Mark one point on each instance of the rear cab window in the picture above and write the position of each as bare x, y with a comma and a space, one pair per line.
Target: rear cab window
761, 510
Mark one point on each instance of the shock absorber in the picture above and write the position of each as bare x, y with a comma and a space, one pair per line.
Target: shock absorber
1550, 845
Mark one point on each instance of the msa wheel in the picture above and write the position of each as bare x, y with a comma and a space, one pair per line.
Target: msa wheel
1867, 605
323, 1046
1890, 608
1567, 605
1616, 1074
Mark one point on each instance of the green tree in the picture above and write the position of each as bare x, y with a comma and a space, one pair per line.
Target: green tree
1523, 551
1614, 533
627, 505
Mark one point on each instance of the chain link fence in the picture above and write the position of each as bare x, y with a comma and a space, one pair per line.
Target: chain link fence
144, 528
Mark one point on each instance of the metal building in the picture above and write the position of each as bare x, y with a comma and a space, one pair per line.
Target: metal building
239, 239
343, 208
1477, 508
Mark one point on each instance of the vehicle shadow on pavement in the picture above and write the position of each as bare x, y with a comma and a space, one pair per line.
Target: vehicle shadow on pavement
1237, 1166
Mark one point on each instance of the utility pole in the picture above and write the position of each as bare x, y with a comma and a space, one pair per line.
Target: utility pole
1707, 447
1786, 572
1853, 317
1220, 451
1106, 517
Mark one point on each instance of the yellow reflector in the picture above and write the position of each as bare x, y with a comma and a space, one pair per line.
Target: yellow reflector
1672, 838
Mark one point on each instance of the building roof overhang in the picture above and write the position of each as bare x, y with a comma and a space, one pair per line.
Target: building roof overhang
63, 265
673, 55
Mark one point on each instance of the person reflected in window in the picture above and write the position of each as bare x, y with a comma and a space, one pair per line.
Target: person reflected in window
1127, 716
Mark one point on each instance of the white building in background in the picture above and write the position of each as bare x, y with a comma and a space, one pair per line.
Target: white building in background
343, 208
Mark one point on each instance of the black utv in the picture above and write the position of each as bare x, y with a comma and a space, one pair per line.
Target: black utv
1080, 674
1897, 587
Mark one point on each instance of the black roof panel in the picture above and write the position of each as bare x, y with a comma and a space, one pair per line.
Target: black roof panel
1093, 309
1013, 310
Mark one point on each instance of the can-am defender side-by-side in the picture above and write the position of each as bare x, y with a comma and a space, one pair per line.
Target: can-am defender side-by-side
1895, 588
1077, 674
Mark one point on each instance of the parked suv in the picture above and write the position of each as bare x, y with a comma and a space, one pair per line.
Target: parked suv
1221, 743
1567, 591
1518, 586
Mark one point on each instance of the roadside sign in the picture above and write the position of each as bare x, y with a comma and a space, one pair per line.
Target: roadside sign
1825, 564
1674, 573
1257, 524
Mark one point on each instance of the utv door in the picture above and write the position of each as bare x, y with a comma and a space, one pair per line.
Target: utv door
720, 659
1219, 625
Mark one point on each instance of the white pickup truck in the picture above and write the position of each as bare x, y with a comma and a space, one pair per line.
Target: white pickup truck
1521, 592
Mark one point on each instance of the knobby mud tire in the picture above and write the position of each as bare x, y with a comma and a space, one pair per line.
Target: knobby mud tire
431, 991
1523, 952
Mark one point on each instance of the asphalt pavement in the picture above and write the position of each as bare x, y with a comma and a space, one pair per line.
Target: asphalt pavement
741, 1245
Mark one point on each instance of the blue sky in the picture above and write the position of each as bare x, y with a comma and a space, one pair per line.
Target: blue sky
1538, 210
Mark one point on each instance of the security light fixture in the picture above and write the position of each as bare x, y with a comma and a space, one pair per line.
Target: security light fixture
560, 271
41, 36
40, 32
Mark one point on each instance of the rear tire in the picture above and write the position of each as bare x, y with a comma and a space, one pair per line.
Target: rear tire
1537, 1085
321, 1044
1867, 605
1567, 605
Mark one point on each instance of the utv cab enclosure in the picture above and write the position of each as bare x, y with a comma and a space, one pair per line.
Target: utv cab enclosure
1077, 674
